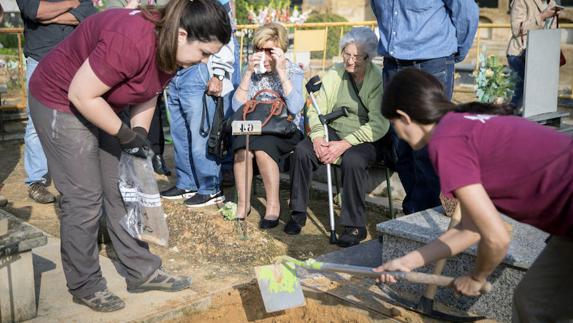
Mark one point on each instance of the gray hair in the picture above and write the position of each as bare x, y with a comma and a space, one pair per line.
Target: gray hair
363, 37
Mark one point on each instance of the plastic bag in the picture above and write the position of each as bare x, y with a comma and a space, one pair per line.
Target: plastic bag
145, 219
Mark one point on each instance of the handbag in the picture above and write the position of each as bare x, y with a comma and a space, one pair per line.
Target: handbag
268, 107
217, 139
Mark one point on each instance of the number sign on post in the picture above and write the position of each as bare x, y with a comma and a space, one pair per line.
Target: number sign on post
241, 128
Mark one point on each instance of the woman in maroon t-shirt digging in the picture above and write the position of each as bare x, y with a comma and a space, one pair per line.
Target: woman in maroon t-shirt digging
491, 164
115, 59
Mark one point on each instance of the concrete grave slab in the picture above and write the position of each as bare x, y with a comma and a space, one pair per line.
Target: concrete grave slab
410, 232
17, 292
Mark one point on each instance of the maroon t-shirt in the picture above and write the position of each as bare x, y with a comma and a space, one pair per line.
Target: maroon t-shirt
120, 45
526, 168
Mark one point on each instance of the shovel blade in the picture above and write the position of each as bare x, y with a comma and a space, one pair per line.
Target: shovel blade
280, 289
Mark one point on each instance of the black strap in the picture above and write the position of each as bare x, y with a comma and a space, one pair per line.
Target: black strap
355, 88
205, 118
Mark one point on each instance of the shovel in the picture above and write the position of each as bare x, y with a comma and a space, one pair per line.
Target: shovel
425, 305
280, 288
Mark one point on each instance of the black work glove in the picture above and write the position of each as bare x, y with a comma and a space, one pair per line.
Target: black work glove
133, 142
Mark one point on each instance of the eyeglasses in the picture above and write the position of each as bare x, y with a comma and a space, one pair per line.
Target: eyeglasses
268, 51
357, 58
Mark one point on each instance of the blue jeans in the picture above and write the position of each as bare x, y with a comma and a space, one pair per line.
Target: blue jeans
414, 168
196, 170
517, 65
35, 162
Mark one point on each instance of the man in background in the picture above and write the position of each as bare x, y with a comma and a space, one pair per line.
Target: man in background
46, 24
430, 35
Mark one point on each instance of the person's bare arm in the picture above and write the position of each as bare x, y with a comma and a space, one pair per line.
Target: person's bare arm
50, 10
242, 92
495, 237
141, 114
480, 222
89, 101
63, 19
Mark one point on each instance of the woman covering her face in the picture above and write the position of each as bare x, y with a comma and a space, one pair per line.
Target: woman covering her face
268, 69
114, 59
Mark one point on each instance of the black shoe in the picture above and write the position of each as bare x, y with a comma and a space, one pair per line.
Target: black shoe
39, 193
159, 165
292, 228
248, 213
176, 193
103, 301
201, 200
160, 280
3, 201
268, 224
351, 236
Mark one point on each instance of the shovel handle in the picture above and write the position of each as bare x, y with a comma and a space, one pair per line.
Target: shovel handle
413, 277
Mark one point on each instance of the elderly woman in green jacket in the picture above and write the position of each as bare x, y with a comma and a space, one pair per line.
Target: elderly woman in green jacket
357, 85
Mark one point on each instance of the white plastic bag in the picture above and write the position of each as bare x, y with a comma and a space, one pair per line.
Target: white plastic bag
145, 219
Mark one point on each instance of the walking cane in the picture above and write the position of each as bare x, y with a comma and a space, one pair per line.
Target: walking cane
312, 86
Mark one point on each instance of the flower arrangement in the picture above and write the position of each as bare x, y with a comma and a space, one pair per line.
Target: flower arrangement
275, 11
494, 81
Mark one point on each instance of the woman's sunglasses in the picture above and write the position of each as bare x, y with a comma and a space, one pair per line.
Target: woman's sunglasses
268, 51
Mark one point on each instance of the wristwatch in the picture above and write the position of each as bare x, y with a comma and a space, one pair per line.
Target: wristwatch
221, 77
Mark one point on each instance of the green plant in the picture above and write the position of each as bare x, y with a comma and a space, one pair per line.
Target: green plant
494, 81
229, 211
333, 32
9, 40
9, 51
242, 7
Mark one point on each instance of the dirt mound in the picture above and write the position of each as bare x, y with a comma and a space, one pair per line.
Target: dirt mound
244, 304
206, 238
201, 240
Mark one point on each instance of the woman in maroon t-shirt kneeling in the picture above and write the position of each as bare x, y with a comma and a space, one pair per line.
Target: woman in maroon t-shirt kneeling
115, 59
491, 164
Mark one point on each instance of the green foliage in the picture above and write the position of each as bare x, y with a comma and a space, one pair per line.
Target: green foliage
494, 81
229, 211
9, 40
9, 51
242, 9
333, 32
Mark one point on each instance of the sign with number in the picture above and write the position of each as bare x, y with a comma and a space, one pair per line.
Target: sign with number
241, 128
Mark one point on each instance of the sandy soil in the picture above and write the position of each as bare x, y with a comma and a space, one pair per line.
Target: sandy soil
244, 304
204, 245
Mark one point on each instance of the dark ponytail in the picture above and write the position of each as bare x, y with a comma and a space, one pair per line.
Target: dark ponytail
203, 20
421, 96
484, 108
